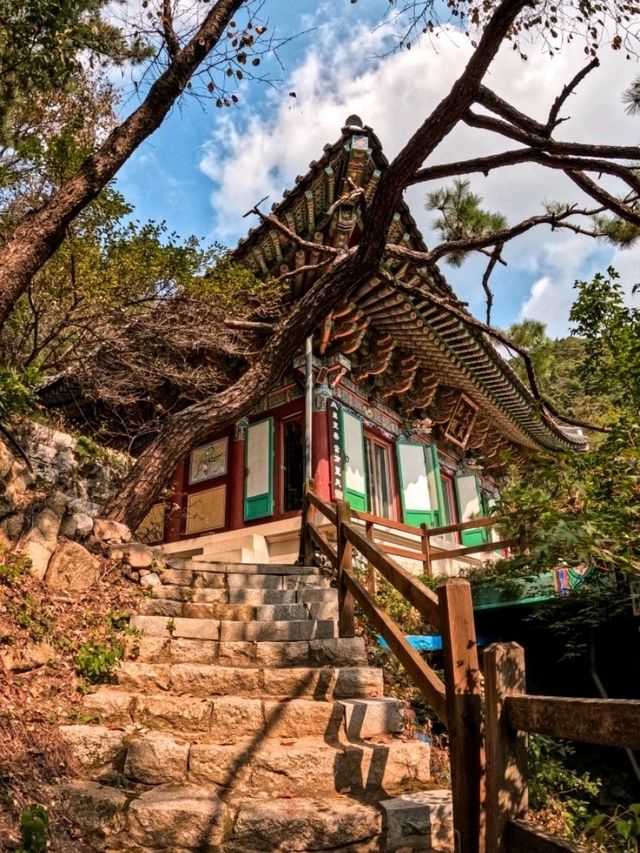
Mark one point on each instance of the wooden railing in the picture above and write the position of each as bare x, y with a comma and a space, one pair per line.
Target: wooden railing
418, 541
457, 701
490, 795
509, 714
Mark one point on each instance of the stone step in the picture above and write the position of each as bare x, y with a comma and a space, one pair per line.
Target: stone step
301, 766
210, 680
225, 631
231, 612
202, 564
176, 818
422, 820
200, 578
339, 651
253, 597
222, 717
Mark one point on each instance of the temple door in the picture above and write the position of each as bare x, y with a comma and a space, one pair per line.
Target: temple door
259, 464
420, 489
470, 506
353, 460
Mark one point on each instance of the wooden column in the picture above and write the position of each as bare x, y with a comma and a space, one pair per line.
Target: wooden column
464, 715
346, 601
176, 506
506, 749
237, 471
320, 454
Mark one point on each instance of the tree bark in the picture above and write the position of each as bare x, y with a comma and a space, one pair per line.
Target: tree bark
42, 231
185, 429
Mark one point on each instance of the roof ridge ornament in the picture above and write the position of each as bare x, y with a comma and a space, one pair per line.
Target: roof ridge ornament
353, 122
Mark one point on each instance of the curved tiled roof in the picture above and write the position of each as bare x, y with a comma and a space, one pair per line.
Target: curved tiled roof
464, 355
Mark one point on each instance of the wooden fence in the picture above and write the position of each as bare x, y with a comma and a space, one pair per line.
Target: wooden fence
487, 725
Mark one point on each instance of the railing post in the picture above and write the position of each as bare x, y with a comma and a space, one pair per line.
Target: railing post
426, 549
506, 750
372, 585
464, 714
306, 554
346, 601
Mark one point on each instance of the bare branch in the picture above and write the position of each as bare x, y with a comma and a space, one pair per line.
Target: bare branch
620, 208
170, 37
528, 155
493, 260
251, 325
299, 241
453, 247
553, 121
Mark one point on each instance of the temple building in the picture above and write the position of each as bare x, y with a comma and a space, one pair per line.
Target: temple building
411, 414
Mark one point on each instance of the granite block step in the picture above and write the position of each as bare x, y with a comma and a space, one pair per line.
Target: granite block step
204, 565
284, 630
218, 717
199, 578
178, 818
212, 680
234, 612
300, 766
252, 597
338, 651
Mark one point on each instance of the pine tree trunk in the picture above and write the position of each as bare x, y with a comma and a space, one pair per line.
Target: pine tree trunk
41, 232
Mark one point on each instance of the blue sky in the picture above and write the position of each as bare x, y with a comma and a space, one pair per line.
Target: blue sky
205, 167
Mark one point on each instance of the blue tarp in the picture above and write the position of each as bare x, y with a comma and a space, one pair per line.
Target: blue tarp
421, 642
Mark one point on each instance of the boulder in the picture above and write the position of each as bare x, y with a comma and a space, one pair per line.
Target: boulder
77, 525
72, 567
108, 531
39, 543
26, 658
6, 461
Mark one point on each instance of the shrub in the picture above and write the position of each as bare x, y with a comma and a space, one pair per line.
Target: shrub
96, 662
14, 568
34, 829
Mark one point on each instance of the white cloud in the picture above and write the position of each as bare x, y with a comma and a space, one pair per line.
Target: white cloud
258, 156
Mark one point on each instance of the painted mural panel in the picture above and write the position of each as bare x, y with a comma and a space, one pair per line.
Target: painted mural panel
206, 510
258, 487
208, 461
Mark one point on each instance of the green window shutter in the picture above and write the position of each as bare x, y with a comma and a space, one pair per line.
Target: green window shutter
354, 475
258, 483
420, 487
470, 506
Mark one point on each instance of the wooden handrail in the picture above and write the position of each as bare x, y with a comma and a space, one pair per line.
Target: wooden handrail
422, 674
326, 509
441, 554
459, 704
322, 544
606, 722
416, 593
385, 522
487, 521
509, 714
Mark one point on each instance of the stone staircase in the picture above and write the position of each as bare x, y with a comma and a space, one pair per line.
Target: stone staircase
246, 724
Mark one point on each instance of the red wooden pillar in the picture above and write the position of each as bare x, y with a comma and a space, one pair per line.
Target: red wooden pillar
176, 506
321, 448
236, 478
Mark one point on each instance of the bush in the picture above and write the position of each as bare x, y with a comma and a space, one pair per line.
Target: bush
96, 662
14, 568
34, 829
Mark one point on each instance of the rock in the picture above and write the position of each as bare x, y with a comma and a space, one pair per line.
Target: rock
106, 530
304, 824
11, 527
423, 821
39, 543
72, 567
137, 555
172, 817
25, 658
156, 758
97, 751
150, 581
6, 461
98, 809
77, 525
